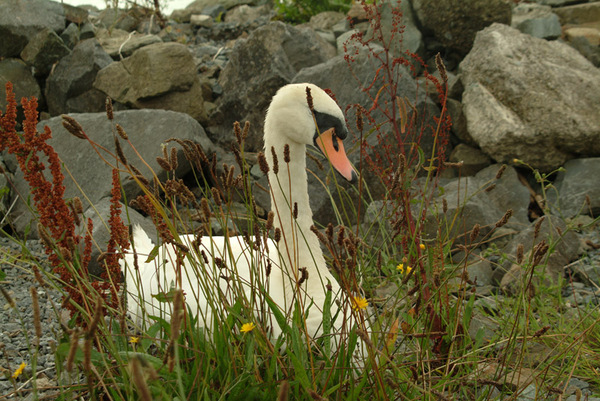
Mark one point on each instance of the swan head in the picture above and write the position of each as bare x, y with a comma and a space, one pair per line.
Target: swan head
290, 120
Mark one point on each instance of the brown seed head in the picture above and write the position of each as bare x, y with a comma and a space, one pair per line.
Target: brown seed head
500, 171
286, 153
359, 119
441, 68
246, 130
237, 130
295, 210
275, 161
37, 324
216, 195
520, 252
173, 161
504, 218
444, 205
109, 109
277, 235
270, 218
262, 163
303, 276
163, 162
538, 226
475, 232
73, 127
121, 132
309, 99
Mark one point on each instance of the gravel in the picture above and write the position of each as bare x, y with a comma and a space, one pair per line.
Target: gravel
17, 332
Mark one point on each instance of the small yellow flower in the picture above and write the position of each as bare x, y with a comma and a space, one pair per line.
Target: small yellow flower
134, 340
422, 246
19, 370
247, 327
404, 268
359, 303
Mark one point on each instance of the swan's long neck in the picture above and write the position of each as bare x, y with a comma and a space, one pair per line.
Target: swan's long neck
299, 246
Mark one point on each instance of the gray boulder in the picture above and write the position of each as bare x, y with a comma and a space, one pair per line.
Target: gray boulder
506, 106
536, 20
455, 23
24, 84
473, 160
481, 199
69, 87
43, 51
147, 130
120, 44
577, 184
411, 38
100, 213
257, 68
21, 20
343, 79
158, 76
564, 247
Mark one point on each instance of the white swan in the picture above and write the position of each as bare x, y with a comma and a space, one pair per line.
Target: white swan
243, 270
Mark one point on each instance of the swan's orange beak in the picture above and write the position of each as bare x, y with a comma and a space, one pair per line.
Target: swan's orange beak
333, 148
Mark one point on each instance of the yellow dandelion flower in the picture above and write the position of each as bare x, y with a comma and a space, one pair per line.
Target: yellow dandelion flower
404, 268
19, 370
134, 340
247, 327
359, 303
422, 246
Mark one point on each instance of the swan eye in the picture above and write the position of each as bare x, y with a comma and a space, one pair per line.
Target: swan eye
334, 140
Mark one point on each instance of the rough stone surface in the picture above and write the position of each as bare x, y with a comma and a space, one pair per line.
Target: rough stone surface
24, 84
469, 203
257, 67
536, 20
507, 107
454, 24
146, 129
120, 44
564, 247
134, 82
20, 20
335, 74
473, 160
579, 13
73, 77
574, 186
411, 38
43, 51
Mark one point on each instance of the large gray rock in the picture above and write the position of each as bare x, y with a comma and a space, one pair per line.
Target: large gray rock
100, 213
146, 129
455, 23
410, 39
543, 118
20, 20
43, 51
577, 184
120, 44
69, 87
257, 68
482, 200
158, 76
563, 248
24, 84
536, 20
345, 80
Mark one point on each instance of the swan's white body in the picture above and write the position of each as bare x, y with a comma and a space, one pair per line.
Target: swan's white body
244, 271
